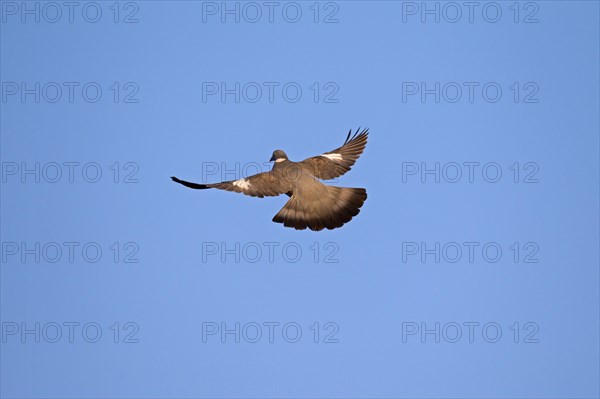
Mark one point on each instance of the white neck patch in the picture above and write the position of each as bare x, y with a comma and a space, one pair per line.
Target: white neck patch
280, 159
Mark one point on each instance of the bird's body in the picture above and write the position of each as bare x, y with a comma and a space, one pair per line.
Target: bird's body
312, 204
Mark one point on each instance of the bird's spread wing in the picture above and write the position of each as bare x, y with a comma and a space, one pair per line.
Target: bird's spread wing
260, 185
335, 163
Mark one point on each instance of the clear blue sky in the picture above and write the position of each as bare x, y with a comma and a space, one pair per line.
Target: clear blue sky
374, 287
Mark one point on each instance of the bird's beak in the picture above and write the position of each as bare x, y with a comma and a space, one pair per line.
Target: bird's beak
272, 158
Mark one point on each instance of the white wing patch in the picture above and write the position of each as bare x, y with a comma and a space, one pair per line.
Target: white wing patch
333, 157
242, 183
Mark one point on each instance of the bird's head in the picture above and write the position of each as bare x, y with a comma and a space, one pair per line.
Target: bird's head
278, 156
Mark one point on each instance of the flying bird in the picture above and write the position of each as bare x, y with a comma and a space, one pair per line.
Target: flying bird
312, 204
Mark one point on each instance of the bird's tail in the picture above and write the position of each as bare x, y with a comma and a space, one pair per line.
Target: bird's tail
331, 211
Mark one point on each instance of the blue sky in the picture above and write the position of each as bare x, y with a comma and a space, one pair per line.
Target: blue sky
471, 271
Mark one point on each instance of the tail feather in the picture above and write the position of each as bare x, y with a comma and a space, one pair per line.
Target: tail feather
331, 211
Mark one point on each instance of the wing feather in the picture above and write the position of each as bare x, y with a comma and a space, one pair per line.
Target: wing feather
335, 163
259, 185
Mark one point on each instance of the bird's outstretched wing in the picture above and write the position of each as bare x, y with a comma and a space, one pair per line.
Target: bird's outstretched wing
335, 163
260, 185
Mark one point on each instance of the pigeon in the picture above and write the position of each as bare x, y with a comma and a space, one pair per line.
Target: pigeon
312, 204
